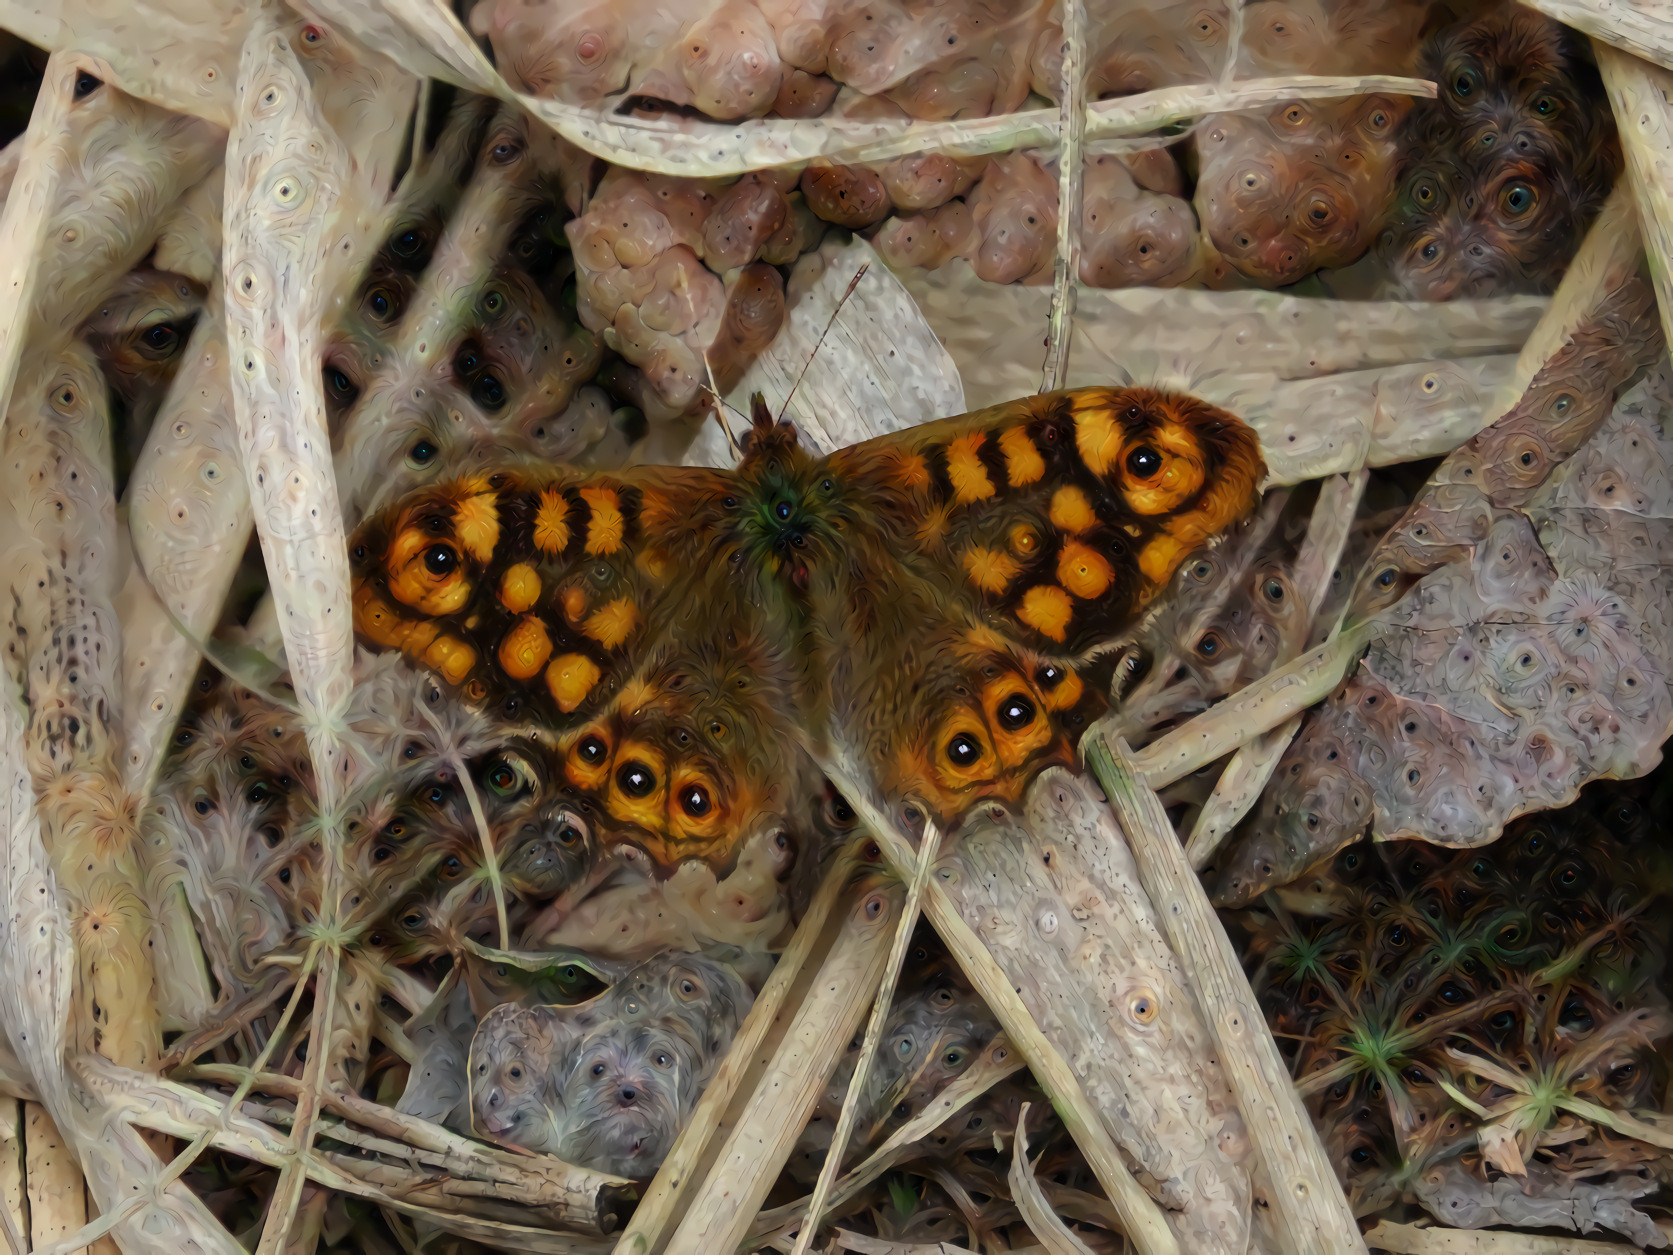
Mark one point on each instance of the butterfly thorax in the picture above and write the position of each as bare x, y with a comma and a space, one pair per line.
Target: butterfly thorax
785, 521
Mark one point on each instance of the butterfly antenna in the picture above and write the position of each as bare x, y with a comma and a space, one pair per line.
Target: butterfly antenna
720, 408
848, 292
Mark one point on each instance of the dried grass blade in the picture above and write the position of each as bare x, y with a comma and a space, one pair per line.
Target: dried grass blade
1641, 95
189, 511
37, 963
1037, 1213
1639, 28
1219, 339
1142, 1220
285, 172
1071, 126
1248, 713
1308, 1206
94, 182
719, 1215
1420, 1239
41, 165
928, 847
12, 1219
57, 1194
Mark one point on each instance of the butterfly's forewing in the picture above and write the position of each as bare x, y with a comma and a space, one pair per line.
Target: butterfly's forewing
538, 593
1063, 515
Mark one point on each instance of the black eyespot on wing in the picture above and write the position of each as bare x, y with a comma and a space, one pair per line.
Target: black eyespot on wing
1143, 462
636, 779
1016, 712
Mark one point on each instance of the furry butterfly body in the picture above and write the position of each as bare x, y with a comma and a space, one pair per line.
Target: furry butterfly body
686, 640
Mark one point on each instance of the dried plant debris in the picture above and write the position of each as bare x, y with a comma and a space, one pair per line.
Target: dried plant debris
1308, 186
1501, 172
607, 1083
743, 58
1526, 645
1478, 1031
1300, 189
912, 58
468, 993
465, 815
525, 304
140, 334
461, 340
905, 1146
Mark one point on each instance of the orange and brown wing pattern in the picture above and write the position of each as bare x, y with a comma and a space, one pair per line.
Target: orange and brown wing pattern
697, 752
930, 597
536, 594
1066, 513
976, 716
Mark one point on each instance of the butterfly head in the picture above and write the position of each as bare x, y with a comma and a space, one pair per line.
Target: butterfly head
786, 503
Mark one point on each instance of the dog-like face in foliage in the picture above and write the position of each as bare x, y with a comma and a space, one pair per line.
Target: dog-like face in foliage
607, 1083
1500, 174
515, 1097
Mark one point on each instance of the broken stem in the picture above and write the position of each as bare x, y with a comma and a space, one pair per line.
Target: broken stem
928, 846
1037, 1213
1308, 1206
1248, 713
1071, 126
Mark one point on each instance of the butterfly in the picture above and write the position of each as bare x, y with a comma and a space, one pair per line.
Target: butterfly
690, 642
